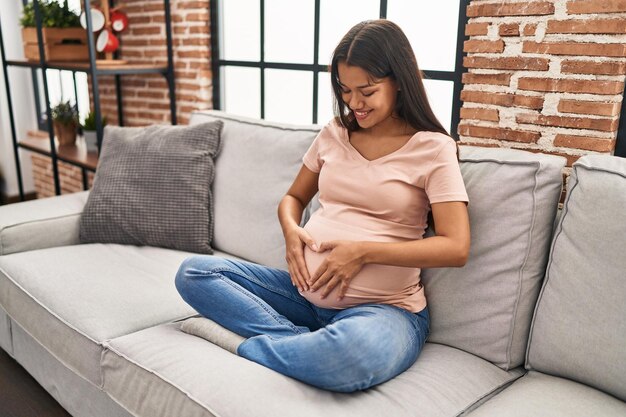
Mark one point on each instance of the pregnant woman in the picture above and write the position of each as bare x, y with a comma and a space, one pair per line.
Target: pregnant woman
351, 312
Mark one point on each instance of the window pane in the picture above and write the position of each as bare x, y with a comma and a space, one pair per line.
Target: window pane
325, 98
67, 86
289, 30
289, 96
241, 22
440, 95
55, 88
431, 28
83, 95
73, 5
337, 17
242, 91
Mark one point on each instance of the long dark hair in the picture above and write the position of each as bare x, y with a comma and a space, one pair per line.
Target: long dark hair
381, 49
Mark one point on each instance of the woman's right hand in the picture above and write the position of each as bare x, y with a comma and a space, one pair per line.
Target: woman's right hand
295, 240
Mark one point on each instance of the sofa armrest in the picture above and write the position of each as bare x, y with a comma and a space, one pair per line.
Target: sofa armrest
40, 224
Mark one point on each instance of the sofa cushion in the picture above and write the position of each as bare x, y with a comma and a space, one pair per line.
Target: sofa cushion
485, 308
152, 187
537, 394
72, 298
164, 372
579, 329
258, 162
74, 393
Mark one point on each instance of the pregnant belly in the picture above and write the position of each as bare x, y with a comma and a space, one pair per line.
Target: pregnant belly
373, 284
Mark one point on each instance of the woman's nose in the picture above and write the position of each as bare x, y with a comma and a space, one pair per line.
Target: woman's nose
355, 102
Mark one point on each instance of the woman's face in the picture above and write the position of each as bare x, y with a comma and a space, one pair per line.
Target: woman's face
371, 100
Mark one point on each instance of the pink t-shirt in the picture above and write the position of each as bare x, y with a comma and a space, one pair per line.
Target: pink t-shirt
383, 200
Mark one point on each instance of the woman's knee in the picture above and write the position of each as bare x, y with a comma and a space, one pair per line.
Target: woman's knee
375, 354
194, 267
370, 365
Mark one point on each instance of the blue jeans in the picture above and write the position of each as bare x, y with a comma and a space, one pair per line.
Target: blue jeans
338, 350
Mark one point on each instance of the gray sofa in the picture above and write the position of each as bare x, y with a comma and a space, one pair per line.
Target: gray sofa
533, 325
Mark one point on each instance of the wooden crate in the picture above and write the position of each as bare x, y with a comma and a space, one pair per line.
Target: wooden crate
60, 44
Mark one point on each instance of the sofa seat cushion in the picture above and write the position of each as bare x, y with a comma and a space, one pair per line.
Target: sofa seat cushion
537, 394
76, 395
72, 298
162, 371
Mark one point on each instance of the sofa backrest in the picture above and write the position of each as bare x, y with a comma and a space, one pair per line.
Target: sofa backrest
579, 327
256, 165
485, 308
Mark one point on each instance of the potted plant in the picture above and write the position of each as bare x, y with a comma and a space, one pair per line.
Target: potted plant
89, 130
65, 122
63, 37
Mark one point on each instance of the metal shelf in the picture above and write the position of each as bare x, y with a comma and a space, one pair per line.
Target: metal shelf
74, 155
77, 155
108, 69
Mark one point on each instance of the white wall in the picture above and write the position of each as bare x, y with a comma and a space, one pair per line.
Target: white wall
23, 103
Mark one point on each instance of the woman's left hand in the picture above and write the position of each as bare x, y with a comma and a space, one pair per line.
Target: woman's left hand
339, 267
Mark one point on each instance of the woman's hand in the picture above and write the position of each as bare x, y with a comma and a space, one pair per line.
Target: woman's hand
339, 267
295, 240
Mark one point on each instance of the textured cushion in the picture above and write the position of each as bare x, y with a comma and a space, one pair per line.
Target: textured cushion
72, 298
42, 223
579, 329
485, 308
536, 394
258, 162
164, 372
152, 187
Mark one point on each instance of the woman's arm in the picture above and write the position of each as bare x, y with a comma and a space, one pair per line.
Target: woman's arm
290, 211
298, 196
449, 248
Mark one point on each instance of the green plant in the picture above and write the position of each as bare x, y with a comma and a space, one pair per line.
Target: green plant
90, 121
65, 113
53, 15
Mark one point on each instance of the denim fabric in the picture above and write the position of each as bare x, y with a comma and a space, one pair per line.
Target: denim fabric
338, 350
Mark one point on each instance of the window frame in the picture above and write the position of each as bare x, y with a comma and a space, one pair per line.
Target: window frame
620, 141
217, 63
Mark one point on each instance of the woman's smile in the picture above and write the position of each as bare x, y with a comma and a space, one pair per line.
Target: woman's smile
360, 115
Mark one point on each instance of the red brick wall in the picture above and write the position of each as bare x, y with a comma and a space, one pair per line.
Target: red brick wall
70, 177
545, 76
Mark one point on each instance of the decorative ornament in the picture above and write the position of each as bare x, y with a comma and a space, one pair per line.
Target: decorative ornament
97, 19
119, 20
107, 42
106, 22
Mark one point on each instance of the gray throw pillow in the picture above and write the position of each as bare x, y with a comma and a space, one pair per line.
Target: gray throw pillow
153, 187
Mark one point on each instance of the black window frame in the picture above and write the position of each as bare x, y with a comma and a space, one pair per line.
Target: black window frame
620, 142
217, 62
